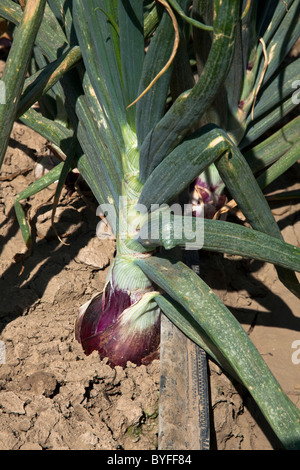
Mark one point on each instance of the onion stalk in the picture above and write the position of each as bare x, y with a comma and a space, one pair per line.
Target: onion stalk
123, 322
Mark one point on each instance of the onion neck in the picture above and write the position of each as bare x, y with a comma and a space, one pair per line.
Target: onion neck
126, 275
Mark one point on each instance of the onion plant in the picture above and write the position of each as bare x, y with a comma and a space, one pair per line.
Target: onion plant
165, 105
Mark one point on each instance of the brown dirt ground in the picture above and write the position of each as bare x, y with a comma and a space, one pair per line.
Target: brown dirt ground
51, 395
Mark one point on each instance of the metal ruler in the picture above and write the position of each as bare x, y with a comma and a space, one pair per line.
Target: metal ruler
198, 401
184, 397
183, 401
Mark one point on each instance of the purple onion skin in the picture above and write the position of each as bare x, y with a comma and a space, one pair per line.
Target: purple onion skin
100, 328
206, 198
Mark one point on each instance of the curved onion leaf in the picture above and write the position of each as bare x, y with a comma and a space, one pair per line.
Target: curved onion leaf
229, 337
39, 83
244, 189
219, 236
191, 328
50, 130
183, 165
11, 11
